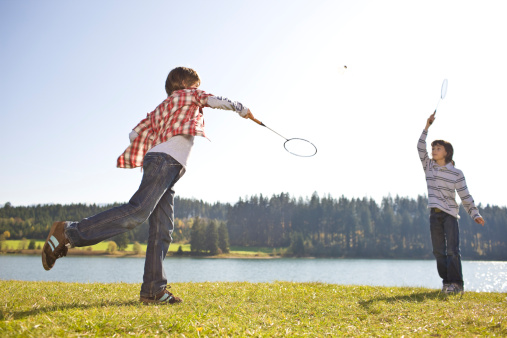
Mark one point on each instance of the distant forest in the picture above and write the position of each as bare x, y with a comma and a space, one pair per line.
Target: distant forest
314, 226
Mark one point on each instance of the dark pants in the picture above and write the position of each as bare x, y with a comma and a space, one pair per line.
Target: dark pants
154, 202
444, 230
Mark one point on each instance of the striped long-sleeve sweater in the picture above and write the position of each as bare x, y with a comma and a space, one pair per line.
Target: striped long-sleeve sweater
443, 182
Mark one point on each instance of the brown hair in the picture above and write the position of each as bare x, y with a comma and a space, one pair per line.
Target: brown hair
448, 149
181, 78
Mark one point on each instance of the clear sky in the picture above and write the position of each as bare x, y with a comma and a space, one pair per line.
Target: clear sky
77, 76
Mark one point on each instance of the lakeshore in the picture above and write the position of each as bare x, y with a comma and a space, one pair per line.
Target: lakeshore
132, 254
13, 247
481, 276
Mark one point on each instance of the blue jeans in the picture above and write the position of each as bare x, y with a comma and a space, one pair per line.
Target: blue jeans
154, 200
444, 230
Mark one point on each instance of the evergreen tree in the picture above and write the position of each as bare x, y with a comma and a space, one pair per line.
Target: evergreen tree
197, 236
31, 245
212, 237
180, 251
122, 241
223, 237
367, 246
298, 245
337, 228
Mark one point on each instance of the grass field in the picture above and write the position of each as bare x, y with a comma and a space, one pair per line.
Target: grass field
44, 309
102, 246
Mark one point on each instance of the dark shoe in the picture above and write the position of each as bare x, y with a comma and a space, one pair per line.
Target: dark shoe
445, 287
163, 297
56, 245
455, 288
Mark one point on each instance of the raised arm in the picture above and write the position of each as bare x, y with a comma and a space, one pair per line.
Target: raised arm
421, 144
429, 121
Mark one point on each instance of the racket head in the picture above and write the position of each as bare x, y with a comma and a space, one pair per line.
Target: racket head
443, 91
300, 147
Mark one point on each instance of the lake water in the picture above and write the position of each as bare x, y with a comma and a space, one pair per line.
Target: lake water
478, 275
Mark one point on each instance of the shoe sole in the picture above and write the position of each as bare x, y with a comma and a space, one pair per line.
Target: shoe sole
44, 263
151, 301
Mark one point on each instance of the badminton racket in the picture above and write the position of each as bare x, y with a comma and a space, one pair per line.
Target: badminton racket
295, 146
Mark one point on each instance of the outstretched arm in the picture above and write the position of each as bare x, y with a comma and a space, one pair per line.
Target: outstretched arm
429, 122
421, 144
219, 102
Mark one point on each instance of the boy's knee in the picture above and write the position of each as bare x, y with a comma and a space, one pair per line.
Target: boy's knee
135, 220
453, 252
438, 254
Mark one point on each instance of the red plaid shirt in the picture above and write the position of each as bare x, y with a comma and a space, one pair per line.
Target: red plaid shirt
180, 113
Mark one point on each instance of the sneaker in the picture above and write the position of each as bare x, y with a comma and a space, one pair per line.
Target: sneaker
163, 297
455, 288
445, 287
56, 245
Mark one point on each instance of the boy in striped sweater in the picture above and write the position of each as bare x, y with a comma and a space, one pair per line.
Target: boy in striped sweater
443, 180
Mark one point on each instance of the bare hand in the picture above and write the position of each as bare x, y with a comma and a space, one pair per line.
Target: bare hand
248, 115
430, 120
479, 220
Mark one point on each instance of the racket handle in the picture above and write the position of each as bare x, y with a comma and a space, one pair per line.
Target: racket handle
431, 122
256, 121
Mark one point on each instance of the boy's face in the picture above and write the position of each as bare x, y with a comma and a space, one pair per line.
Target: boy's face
438, 152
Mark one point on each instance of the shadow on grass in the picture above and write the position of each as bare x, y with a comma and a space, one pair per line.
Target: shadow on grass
45, 309
412, 298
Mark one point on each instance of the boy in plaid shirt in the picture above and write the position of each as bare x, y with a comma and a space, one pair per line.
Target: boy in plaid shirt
161, 144
443, 180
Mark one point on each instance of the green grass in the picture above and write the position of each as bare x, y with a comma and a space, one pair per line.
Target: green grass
43, 309
102, 246
254, 250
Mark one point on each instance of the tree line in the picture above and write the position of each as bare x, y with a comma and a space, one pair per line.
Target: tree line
328, 227
316, 226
